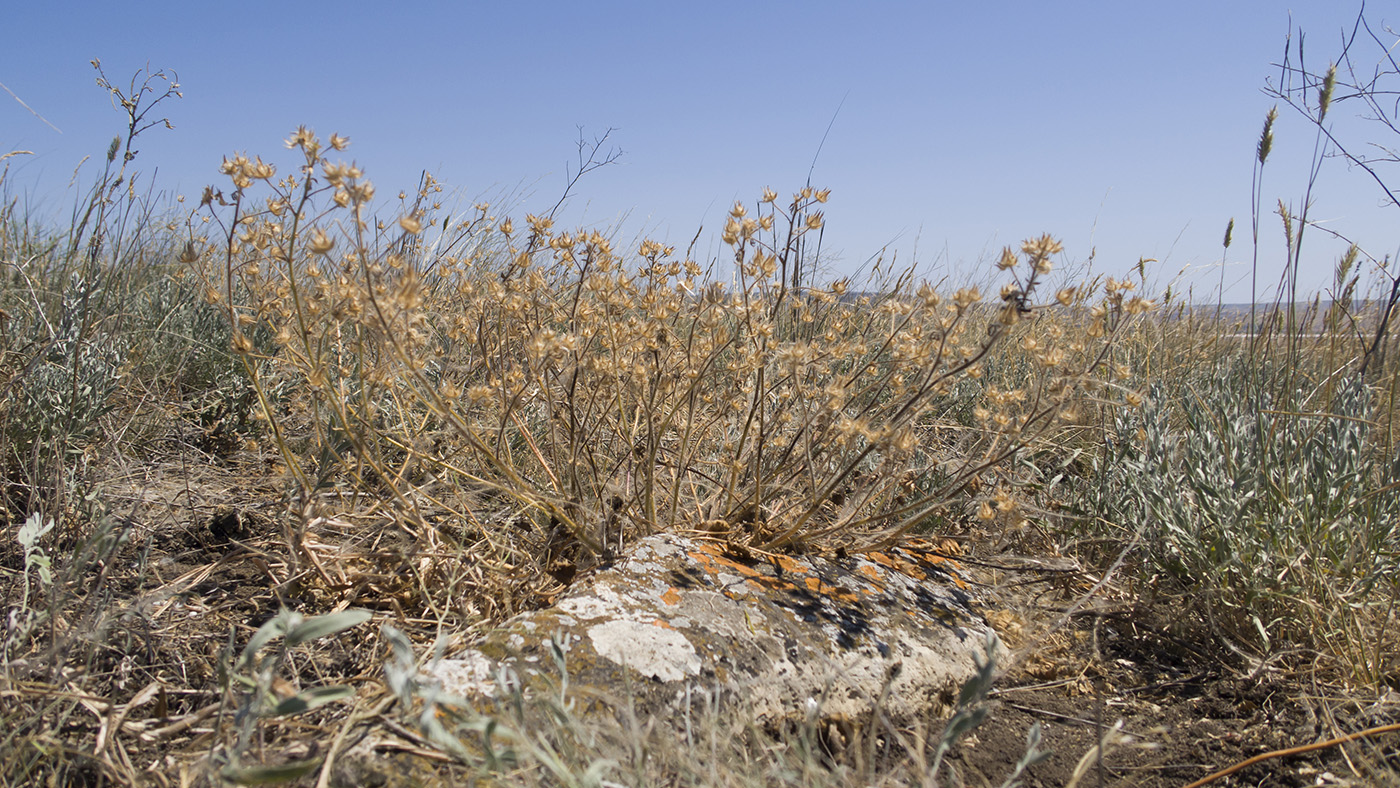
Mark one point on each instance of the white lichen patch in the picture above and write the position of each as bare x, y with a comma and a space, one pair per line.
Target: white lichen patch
649, 649
604, 602
469, 674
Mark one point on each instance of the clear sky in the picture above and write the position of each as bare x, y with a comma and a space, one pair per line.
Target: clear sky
1126, 128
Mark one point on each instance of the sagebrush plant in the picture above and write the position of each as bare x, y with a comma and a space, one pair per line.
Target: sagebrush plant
1259, 484
64, 390
58, 629
63, 342
1279, 526
609, 394
73, 358
250, 685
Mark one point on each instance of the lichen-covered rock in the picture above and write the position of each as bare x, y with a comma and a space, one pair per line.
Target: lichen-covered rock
679, 619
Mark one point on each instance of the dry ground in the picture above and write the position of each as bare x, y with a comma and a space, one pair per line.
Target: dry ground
137, 693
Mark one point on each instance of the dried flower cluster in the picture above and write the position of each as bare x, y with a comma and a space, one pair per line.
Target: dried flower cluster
609, 391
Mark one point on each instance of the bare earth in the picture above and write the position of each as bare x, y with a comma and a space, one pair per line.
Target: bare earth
210, 541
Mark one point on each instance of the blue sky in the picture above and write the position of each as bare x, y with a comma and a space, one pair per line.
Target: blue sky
1124, 128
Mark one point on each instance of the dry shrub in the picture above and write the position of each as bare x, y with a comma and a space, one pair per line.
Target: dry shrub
487, 374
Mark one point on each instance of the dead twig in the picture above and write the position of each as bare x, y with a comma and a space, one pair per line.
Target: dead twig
1322, 745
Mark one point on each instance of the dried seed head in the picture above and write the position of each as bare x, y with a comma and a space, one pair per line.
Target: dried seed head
260, 170
1137, 305
320, 242
1007, 260
303, 138
929, 296
1266, 137
966, 297
731, 232
1043, 246
1324, 93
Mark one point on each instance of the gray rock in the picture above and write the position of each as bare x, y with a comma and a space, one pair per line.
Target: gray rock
680, 619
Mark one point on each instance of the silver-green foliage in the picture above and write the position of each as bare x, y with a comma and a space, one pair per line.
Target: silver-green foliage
35, 559
1272, 514
66, 385
251, 679
187, 346
972, 710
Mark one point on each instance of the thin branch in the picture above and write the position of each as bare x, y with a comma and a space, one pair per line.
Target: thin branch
31, 109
